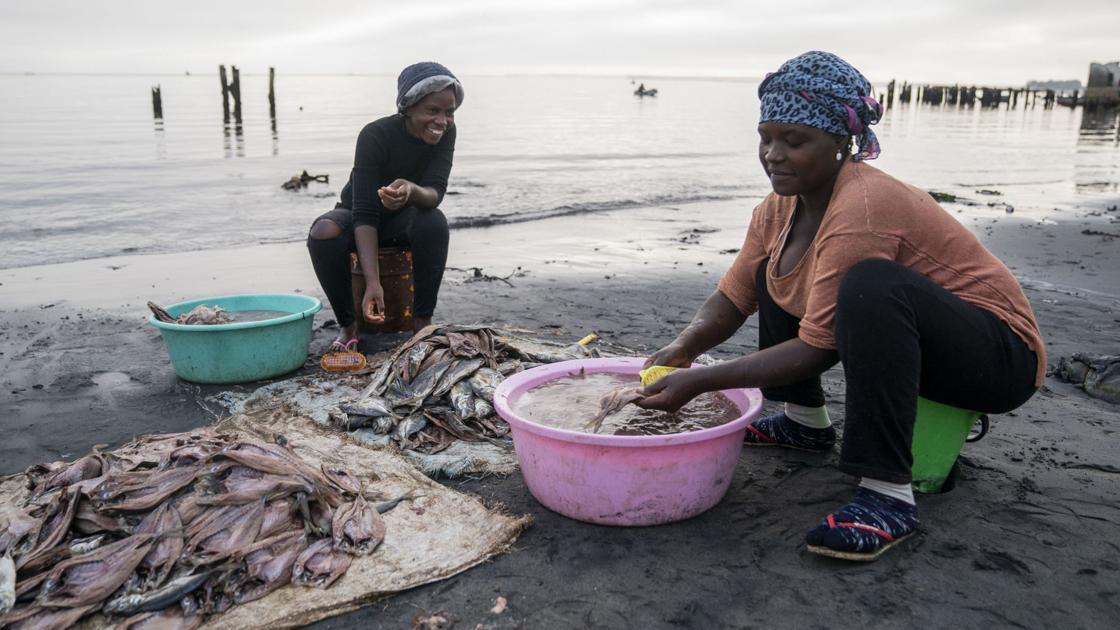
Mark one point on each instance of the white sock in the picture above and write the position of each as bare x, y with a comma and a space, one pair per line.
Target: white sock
815, 417
900, 491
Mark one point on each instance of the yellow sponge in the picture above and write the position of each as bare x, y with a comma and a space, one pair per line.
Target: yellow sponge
654, 373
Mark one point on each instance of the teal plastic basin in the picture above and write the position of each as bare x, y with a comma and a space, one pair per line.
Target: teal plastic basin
240, 352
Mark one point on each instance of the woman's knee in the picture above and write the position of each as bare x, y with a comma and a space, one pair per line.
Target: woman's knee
325, 229
429, 225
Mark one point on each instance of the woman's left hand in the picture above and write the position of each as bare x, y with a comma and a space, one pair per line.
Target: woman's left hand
673, 391
395, 195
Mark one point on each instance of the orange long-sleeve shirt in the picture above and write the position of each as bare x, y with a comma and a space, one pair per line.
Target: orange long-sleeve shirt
872, 215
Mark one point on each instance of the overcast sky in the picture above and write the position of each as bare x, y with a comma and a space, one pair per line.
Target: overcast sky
968, 41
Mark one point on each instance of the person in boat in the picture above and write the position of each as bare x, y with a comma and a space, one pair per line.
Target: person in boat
843, 262
401, 166
641, 88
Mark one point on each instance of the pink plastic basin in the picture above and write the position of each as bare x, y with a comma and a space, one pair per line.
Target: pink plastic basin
624, 480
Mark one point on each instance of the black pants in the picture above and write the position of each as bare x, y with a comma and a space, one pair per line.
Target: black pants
425, 232
900, 335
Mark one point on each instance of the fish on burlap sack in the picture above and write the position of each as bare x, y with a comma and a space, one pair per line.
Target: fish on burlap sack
451, 533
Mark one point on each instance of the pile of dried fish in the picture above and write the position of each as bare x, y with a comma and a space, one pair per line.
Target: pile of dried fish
438, 387
170, 528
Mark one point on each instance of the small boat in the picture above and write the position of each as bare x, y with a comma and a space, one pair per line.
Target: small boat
644, 92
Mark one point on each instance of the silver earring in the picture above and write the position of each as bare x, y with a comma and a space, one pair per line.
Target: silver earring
839, 156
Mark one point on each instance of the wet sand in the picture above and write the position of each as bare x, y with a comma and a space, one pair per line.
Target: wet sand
1030, 537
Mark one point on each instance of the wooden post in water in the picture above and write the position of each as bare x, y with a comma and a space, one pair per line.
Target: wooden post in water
235, 90
225, 93
890, 95
157, 103
272, 94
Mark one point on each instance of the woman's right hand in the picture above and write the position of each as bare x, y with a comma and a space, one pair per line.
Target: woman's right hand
672, 355
373, 303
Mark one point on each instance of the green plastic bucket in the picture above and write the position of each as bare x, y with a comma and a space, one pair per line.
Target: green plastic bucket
241, 352
939, 433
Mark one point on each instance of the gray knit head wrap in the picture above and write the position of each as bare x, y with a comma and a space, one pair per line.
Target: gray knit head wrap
422, 79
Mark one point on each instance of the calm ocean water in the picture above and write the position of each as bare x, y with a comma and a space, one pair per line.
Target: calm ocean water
85, 172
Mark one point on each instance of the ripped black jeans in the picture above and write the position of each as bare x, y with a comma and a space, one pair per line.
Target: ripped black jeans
425, 232
900, 335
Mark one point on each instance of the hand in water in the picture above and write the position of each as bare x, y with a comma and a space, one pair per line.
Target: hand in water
615, 400
672, 391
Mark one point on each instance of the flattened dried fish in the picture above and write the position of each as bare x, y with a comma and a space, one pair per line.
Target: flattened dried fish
279, 516
162, 597
613, 401
464, 344
147, 492
37, 617
320, 565
160, 560
414, 358
88, 520
85, 545
341, 478
482, 408
372, 406
357, 527
268, 565
19, 531
409, 427
87, 467
462, 399
267, 487
56, 524
457, 372
419, 389
224, 531
485, 381
380, 381
88, 579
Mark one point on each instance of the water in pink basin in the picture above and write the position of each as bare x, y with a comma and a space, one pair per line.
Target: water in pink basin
623, 479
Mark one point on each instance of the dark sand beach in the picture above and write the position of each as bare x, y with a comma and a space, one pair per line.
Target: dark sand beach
1030, 537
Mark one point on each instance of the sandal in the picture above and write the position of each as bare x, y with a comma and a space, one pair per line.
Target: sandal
865, 528
339, 346
343, 357
780, 430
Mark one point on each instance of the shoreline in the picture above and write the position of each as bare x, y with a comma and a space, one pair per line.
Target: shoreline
1058, 255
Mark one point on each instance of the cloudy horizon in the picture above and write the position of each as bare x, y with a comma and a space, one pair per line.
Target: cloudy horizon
954, 41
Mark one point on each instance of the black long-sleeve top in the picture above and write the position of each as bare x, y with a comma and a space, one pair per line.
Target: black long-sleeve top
385, 152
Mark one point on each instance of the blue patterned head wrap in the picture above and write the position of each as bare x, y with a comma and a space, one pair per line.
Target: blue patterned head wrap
821, 90
424, 78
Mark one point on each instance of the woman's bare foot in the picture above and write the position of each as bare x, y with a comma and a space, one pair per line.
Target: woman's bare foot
419, 323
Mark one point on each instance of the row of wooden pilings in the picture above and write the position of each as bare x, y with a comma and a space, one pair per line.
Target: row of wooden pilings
970, 96
231, 90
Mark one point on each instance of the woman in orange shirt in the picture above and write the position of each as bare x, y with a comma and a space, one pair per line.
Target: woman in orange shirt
842, 262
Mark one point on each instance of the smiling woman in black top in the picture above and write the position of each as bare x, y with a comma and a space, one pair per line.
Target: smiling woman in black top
401, 166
